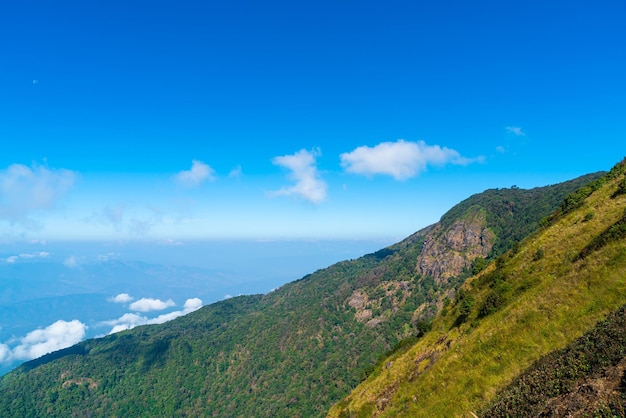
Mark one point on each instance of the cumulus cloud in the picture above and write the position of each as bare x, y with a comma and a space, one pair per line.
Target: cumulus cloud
131, 320
193, 304
515, 130
36, 343
24, 190
147, 305
126, 321
400, 159
308, 184
198, 174
122, 298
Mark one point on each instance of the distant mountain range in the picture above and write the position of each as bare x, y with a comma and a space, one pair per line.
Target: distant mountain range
434, 325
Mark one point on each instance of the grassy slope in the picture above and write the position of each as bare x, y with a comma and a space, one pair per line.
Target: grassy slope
586, 378
454, 371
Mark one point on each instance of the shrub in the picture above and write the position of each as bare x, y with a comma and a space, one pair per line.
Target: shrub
491, 304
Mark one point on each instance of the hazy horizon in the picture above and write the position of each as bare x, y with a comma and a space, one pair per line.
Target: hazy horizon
56, 294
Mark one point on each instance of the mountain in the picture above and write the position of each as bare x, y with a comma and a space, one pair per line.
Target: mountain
510, 343
294, 351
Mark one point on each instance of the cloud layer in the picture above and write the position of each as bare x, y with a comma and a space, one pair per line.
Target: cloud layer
308, 184
400, 159
147, 305
131, 320
61, 334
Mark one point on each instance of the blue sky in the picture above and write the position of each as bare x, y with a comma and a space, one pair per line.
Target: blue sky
187, 120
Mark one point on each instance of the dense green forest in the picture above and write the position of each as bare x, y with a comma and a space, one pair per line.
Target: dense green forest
292, 352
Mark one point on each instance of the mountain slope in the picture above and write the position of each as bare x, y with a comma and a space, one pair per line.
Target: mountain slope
292, 352
587, 378
532, 301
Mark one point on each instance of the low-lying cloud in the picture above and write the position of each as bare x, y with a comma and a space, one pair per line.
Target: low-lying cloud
131, 320
308, 184
122, 298
400, 159
147, 305
63, 334
15, 258
59, 335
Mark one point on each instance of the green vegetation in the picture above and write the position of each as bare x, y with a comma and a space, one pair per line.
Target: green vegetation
577, 198
532, 301
615, 232
296, 350
560, 372
621, 189
513, 214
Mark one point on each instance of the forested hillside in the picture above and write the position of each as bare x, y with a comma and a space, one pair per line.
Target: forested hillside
294, 351
533, 300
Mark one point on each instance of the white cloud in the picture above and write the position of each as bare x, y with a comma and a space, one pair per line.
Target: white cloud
122, 298
193, 304
70, 262
14, 258
309, 185
131, 320
515, 130
500, 149
126, 321
400, 159
147, 305
198, 174
24, 190
59, 335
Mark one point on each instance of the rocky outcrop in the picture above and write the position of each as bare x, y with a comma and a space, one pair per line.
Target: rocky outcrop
448, 251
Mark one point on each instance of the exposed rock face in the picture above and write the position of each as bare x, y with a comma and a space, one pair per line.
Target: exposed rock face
447, 252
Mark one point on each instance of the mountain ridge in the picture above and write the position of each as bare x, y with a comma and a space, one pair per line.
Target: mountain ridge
531, 301
291, 352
